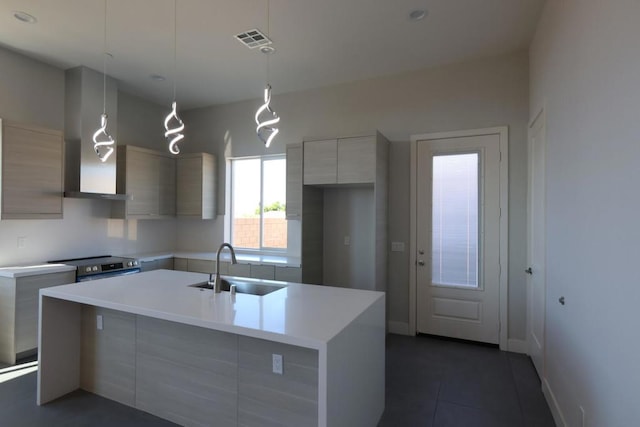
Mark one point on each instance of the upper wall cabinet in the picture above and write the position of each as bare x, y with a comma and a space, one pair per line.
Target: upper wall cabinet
340, 161
149, 177
294, 181
31, 172
196, 186
320, 162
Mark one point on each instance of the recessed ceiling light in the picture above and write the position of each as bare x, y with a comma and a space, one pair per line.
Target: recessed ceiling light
268, 50
157, 77
24, 17
418, 14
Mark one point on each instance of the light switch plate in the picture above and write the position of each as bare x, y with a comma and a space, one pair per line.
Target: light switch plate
397, 246
99, 324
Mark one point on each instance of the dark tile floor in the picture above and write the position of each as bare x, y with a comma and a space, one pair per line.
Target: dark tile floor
430, 382
442, 383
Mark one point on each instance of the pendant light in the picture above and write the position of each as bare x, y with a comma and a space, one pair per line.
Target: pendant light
266, 129
174, 134
102, 141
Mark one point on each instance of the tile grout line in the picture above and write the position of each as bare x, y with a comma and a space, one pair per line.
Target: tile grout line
515, 385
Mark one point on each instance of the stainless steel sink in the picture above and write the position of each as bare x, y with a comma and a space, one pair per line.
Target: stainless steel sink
241, 287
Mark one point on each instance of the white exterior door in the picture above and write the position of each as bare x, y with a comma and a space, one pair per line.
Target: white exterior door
536, 282
458, 237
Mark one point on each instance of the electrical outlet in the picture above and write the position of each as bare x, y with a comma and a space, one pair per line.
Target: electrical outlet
22, 241
397, 246
347, 240
277, 363
99, 324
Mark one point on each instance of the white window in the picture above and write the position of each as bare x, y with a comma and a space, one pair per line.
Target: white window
258, 190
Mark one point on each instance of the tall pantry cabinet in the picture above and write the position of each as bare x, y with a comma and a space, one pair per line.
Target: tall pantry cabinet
344, 210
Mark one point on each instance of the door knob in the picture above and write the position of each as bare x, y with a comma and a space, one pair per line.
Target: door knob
529, 271
421, 263
561, 300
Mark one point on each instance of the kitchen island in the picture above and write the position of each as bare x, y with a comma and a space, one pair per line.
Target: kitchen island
302, 355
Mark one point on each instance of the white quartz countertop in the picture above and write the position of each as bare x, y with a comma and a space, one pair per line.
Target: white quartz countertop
277, 260
34, 270
302, 315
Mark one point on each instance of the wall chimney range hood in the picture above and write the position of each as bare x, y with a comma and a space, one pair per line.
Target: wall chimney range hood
85, 175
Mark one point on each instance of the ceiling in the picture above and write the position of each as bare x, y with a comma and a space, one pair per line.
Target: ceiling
318, 42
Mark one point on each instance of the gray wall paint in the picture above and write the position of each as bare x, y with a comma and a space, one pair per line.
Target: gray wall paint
141, 122
585, 64
478, 94
32, 92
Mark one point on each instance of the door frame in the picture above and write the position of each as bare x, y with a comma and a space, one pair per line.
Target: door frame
503, 133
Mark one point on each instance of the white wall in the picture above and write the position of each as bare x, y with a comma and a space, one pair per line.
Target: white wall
482, 93
585, 68
32, 92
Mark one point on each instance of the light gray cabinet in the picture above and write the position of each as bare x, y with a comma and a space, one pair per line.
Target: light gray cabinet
31, 172
196, 186
356, 160
19, 311
157, 264
149, 177
350, 160
344, 220
320, 162
294, 181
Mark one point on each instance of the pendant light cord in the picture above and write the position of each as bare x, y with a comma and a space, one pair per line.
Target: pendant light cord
268, 36
104, 62
175, 46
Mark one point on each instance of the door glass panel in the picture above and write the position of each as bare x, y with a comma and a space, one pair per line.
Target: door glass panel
455, 220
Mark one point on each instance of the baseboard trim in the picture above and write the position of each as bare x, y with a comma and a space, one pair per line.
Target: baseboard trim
400, 328
517, 346
553, 404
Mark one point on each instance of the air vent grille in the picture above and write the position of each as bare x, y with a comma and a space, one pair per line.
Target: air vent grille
253, 38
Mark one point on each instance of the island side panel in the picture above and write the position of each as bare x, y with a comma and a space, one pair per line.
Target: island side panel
108, 354
58, 348
186, 374
355, 371
268, 399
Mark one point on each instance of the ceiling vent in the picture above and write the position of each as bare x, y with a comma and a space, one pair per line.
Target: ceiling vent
253, 38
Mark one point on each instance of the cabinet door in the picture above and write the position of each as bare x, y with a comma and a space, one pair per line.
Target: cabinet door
27, 288
167, 186
31, 172
196, 186
294, 181
142, 185
356, 160
189, 176
320, 162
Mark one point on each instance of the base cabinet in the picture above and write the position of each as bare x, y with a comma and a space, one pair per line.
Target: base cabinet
19, 312
157, 264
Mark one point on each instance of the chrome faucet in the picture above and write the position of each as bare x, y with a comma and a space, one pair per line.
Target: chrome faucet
217, 287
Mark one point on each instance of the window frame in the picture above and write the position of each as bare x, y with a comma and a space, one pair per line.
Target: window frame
261, 249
